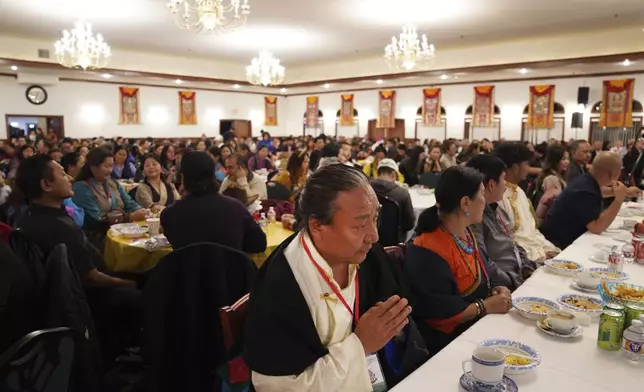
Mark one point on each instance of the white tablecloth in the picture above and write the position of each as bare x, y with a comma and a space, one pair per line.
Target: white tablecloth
567, 365
421, 199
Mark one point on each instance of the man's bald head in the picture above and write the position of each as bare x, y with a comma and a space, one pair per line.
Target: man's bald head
607, 167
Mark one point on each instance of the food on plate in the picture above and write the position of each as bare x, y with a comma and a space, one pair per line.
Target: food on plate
606, 275
624, 292
540, 308
582, 303
515, 360
569, 266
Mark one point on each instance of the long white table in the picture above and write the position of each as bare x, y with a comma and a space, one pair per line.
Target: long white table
567, 365
421, 199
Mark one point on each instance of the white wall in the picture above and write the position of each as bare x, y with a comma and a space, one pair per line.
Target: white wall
92, 109
511, 97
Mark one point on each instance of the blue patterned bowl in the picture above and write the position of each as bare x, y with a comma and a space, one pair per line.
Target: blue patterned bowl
567, 299
526, 307
511, 346
609, 275
609, 296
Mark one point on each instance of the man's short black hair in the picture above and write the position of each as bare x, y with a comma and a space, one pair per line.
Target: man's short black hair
331, 150
320, 137
513, 153
386, 171
31, 172
381, 149
489, 165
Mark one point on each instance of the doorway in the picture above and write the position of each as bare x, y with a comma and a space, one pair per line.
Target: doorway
375, 133
18, 125
242, 128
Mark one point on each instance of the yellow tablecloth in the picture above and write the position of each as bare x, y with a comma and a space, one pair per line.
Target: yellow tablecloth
121, 256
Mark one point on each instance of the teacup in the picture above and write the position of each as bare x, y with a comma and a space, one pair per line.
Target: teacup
629, 224
154, 225
589, 279
601, 255
488, 365
562, 321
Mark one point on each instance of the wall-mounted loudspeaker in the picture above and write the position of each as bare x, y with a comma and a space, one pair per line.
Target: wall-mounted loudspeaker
577, 120
582, 95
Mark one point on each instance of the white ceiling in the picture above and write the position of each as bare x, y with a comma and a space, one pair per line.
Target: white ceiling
307, 31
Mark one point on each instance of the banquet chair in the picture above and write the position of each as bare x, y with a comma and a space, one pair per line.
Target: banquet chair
5, 232
429, 180
389, 221
40, 361
277, 191
233, 319
396, 255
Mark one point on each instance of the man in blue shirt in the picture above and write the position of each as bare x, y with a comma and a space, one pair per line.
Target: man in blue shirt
579, 207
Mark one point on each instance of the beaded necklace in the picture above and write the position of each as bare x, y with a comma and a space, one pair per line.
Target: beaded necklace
469, 248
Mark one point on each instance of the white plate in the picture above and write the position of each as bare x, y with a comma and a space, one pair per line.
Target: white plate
622, 236
577, 286
541, 324
625, 213
121, 226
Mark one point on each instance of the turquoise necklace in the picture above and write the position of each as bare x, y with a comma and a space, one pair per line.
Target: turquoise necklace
467, 248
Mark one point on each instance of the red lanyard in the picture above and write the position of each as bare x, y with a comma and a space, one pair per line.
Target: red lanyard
333, 286
479, 260
504, 225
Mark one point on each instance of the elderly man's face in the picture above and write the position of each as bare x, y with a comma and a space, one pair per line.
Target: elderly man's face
353, 228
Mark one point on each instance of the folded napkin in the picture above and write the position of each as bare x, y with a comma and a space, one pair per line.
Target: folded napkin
152, 243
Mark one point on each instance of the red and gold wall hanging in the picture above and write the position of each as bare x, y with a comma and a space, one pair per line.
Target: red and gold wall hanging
346, 110
312, 111
386, 109
270, 111
187, 108
617, 103
541, 110
483, 108
129, 105
432, 107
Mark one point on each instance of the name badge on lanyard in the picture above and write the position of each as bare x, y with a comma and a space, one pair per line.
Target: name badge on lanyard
378, 382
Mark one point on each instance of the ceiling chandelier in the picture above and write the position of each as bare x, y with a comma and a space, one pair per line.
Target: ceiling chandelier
265, 70
79, 48
209, 15
408, 51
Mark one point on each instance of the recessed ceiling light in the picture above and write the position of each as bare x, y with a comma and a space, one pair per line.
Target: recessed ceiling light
14, 68
178, 81
236, 86
455, 77
523, 71
626, 63
327, 85
283, 90
107, 76
444, 77
379, 81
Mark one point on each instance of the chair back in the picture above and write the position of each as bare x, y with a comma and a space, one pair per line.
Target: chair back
5, 232
429, 180
389, 224
40, 361
396, 254
277, 191
183, 342
233, 319
30, 254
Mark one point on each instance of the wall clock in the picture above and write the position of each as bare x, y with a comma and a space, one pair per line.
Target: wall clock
37, 95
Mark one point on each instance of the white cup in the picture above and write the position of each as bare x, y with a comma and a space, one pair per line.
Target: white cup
562, 321
488, 365
154, 225
589, 279
601, 255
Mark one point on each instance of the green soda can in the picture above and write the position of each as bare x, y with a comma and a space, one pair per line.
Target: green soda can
633, 312
615, 306
611, 328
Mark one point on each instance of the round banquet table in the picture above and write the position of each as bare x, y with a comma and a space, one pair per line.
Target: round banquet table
121, 256
421, 199
566, 364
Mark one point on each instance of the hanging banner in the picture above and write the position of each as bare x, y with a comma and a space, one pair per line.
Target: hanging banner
483, 109
129, 105
312, 112
541, 110
346, 110
270, 111
187, 108
432, 107
617, 103
386, 109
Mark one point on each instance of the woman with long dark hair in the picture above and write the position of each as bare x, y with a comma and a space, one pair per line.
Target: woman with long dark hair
470, 152
103, 199
296, 173
552, 180
453, 285
409, 166
122, 169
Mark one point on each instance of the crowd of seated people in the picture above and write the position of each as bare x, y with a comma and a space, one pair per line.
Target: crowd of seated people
502, 208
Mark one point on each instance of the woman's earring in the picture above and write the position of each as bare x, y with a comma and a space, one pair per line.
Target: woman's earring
467, 214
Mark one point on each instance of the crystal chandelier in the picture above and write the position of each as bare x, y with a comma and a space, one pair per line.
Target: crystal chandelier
408, 51
79, 48
265, 70
209, 15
